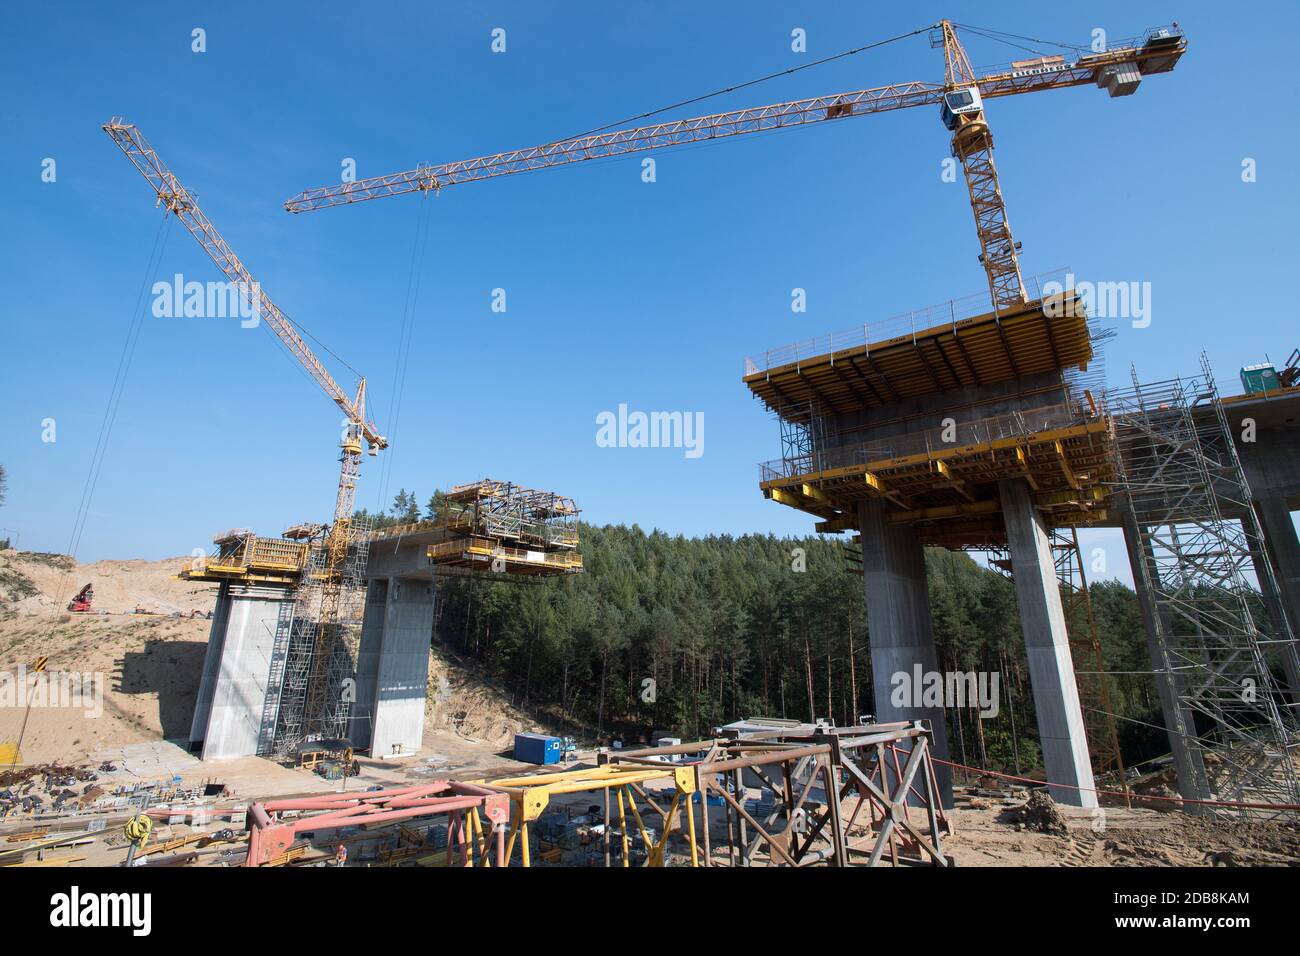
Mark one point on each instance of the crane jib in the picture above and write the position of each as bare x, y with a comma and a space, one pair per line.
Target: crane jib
1149, 57
177, 199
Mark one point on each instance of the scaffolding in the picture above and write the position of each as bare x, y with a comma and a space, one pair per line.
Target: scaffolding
1181, 482
858, 418
315, 651
524, 517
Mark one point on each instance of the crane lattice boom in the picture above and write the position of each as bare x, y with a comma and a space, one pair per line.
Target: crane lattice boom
172, 194
1083, 70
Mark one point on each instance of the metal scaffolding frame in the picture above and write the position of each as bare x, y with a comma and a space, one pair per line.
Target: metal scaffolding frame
1178, 475
315, 653
507, 512
828, 795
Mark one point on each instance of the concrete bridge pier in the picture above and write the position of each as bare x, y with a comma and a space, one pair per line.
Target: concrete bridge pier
1282, 547
1047, 647
393, 666
902, 634
231, 704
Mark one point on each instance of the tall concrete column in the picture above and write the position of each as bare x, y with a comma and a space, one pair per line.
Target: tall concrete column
1047, 646
211, 667
402, 668
900, 630
362, 722
1179, 722
1283, 548
239, 688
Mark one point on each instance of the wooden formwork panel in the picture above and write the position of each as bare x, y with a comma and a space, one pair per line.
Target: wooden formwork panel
973, 352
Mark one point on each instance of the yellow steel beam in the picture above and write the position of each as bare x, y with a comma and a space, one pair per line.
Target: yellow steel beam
846, 522
1070, 479
1083, 497
533, 793
1017, 443
874, 483
815, 494
794, 500
1026, 472
943, 512
953, 482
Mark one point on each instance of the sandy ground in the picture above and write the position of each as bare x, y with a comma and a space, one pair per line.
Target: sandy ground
120, 586
150, 665
1121, 837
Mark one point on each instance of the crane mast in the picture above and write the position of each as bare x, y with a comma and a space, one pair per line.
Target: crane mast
179, 201
960, 97
972, 144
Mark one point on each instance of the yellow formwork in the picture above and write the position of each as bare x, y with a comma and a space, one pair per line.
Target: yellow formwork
479, 552
250, 558
1068, 470
1042, 336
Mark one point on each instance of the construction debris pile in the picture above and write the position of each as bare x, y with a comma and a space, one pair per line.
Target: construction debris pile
1041, 813
50, 791
46, 788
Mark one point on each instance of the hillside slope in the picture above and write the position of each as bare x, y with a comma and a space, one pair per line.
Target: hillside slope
149, 665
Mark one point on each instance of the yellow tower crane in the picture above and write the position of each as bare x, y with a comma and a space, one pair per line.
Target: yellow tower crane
178, 200
960, 97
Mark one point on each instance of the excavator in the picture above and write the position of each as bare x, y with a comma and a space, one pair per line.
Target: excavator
82, 600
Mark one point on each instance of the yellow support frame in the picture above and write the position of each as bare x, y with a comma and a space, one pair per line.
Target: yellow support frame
532, 794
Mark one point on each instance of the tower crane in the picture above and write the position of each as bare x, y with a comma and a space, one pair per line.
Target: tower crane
960, 97
181, 202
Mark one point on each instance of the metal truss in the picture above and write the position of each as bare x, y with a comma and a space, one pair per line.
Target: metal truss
315, 653
828, 795
1083, 70
1179, 476
507, 512
274, 826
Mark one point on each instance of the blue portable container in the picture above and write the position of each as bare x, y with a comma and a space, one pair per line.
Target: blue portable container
537, 748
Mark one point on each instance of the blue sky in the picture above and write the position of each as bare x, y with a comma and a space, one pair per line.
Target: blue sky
618, 291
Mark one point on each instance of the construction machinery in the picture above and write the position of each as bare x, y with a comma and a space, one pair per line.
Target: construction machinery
82, 600
961, 98
1290, 375
328, 572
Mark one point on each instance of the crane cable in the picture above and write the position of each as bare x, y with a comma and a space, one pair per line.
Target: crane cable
114, 403
748, 83
96, 466
406, 334
1000, 36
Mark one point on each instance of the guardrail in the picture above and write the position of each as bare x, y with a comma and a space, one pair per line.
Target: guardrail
952, 311
980, 431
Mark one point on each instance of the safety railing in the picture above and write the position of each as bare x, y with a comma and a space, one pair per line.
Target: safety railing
944, 438
953, 311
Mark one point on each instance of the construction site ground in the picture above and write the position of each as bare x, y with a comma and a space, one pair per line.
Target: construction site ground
150, 665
